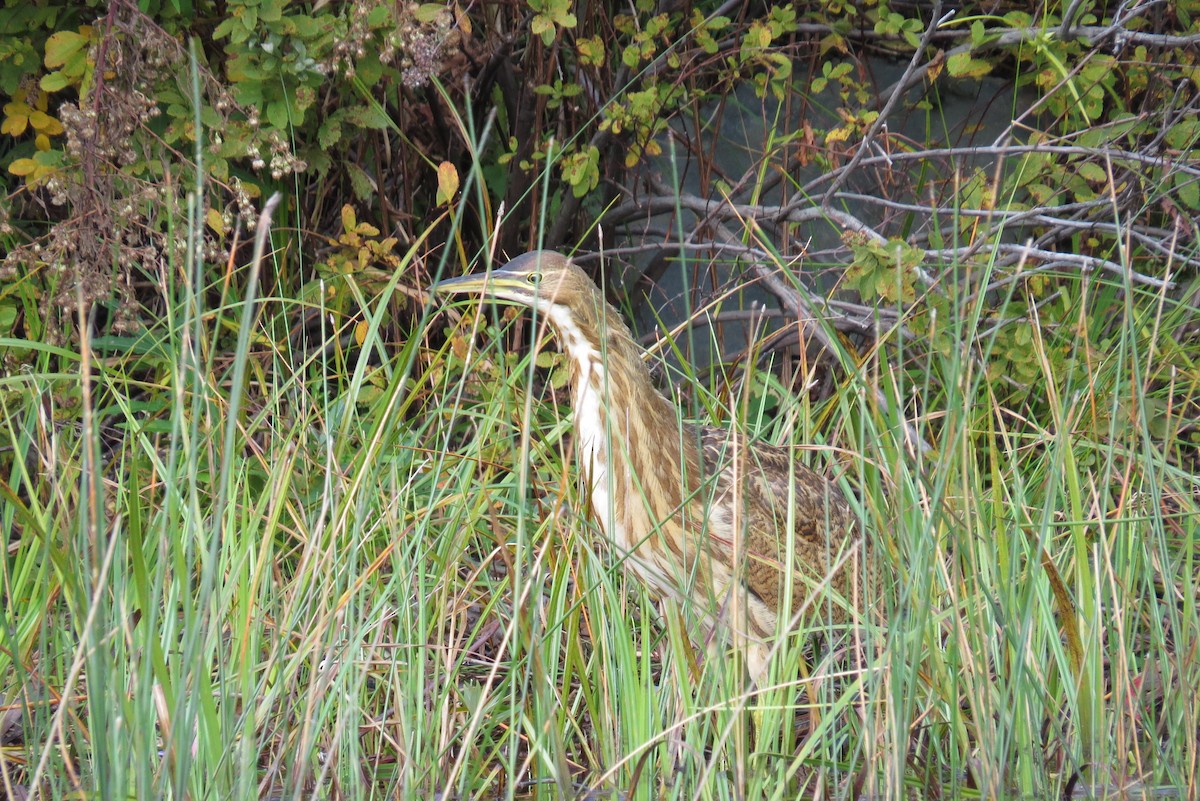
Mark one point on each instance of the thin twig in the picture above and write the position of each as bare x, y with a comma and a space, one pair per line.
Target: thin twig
864, 147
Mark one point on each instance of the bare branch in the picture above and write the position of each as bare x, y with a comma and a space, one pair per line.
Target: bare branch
918, 53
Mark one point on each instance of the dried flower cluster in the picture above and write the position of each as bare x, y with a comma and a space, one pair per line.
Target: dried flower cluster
111, 139
94, 249
109, 241
412, 42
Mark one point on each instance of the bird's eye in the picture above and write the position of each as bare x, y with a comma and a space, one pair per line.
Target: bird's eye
533, 278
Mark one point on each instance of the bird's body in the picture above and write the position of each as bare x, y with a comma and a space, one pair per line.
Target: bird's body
741, 529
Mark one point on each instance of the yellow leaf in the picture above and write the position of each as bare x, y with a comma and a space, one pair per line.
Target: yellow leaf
45, 123
215, 221
23, 167
14, 124
834, 41
462, 20
360, 332
837, 135
41, 142
936, 65
349, 220
447, 183
591, 51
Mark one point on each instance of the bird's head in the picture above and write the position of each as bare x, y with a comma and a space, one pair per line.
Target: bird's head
587, 327
541, 279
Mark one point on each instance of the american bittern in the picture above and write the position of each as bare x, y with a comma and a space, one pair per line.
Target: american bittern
739, 528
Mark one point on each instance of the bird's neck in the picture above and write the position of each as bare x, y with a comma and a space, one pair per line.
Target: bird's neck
630, 440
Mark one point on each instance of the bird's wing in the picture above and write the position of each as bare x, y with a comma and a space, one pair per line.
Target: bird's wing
772, 484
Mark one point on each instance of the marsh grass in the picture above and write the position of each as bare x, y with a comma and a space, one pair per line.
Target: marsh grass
284, 574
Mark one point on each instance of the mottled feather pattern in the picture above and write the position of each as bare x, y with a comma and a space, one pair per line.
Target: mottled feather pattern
774, 486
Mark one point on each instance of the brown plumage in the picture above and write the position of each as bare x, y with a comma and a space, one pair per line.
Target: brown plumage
666, 493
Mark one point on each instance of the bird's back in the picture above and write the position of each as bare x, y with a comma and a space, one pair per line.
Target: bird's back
772, 511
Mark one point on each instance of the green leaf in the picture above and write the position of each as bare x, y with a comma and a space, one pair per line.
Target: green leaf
581, 170
270, 10
54, 82
1187, 190
210, 118
240, 34
379, 16
978, 33
542, 26
964, 65
1091, 171
277, 114
318, 161
360, 182
249, 93
368, 117
1183, 135
307, 27
225, 28
427, 13
8, 317
242, 70
369, 68
62, 46
1041, 193
330, 131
